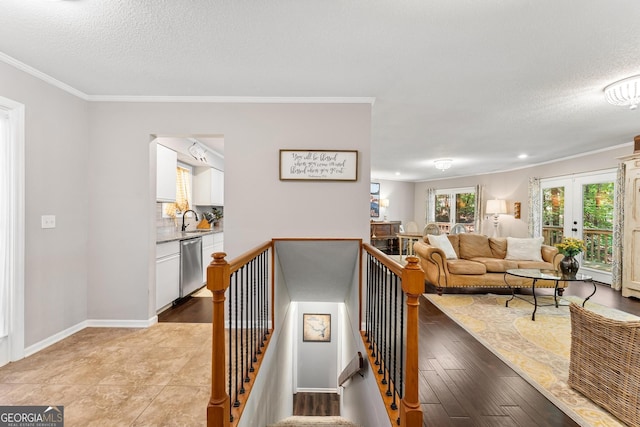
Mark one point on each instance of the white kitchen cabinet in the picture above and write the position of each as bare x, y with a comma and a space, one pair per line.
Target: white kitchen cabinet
208, 187
211, 243
167, 160
167, 273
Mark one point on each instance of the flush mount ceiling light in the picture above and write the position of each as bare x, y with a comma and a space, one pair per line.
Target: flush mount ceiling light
625, 93
443, 164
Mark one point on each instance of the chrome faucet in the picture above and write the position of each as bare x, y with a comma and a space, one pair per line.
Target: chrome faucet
184, 226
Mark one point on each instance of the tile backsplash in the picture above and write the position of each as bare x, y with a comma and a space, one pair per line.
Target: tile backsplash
166, 225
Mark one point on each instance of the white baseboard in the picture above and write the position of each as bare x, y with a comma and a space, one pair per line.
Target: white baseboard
316, 390
41, 345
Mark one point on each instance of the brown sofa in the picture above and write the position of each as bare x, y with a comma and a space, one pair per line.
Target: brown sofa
481, 261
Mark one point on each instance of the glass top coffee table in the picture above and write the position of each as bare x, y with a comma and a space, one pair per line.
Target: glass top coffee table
536, 274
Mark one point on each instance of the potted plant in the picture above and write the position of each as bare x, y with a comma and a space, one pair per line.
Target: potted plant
570, 247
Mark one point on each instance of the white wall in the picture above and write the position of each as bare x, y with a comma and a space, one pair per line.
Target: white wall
513, 186
56, 149
258, 206
400, 195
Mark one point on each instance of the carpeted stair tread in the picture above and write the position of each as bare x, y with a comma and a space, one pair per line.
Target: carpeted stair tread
313, 421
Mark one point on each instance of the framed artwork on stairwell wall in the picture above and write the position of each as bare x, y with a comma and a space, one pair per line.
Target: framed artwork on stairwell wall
375, 200
316, 327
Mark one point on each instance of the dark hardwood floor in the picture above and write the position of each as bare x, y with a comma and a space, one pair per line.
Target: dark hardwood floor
461, 382
189, 310
316, 404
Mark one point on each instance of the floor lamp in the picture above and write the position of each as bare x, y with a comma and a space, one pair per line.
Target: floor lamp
496, 207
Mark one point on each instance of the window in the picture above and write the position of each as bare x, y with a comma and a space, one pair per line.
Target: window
455, 206
183, 193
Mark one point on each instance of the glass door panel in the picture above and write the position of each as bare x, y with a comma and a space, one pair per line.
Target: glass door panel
552, 215
597, 225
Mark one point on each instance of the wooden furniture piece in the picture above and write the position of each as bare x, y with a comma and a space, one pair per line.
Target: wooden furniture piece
384, 235
605, 362
410, 237
631, 245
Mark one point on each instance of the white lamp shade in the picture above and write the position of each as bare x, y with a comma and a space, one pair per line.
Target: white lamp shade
384, 203
496, 206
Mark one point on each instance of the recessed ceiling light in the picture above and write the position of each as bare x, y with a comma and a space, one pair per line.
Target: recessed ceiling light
523, 156
397, 173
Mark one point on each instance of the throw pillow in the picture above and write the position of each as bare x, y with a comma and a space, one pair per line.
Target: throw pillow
524, 249
442, 242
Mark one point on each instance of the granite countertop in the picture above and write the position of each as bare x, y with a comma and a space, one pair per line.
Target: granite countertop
184, 235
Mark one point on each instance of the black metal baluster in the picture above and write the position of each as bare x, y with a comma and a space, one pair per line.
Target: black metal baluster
241, 327
394, 378
236, 403
253, 315
246, 327
229, 332
376, 317
367, 314
383, 322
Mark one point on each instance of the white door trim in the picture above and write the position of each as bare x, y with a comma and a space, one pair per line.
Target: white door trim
14, 346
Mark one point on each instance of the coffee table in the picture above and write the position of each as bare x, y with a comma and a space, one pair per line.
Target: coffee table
536, 274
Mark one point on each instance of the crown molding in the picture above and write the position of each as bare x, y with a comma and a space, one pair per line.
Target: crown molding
42, 76
203, 99
236, 99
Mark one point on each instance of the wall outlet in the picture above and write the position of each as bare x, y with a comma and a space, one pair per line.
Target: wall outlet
48, 221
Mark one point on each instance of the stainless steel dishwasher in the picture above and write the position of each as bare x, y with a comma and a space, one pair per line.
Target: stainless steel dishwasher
190, 265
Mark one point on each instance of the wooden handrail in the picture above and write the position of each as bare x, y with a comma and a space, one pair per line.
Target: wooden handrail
354, 367
391, 264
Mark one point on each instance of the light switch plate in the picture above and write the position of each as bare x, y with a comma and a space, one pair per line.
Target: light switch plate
48, 221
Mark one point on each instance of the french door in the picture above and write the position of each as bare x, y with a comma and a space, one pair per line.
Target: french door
581, 206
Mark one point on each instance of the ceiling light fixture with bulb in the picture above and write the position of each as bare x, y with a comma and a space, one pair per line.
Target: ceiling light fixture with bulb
624, 93
443, 164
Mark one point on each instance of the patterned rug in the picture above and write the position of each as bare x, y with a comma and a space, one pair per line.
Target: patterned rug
538, 351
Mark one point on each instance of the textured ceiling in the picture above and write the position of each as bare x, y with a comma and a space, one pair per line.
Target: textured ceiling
477, 81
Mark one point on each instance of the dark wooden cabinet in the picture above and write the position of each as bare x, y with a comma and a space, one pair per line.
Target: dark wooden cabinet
384, 235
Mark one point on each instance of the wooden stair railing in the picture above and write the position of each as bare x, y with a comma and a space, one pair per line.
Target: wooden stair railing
246, 271
395, 378
353, 368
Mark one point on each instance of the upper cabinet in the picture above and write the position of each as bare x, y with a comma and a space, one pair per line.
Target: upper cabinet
208, 187
167, 161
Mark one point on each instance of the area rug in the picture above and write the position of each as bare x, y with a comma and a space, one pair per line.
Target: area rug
538, 351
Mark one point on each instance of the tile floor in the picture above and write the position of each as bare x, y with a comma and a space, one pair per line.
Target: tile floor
158, 376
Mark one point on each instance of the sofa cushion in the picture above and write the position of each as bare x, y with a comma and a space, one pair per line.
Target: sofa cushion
442, 242
496, 265
464, 266
498, 247
474, 246
524, 249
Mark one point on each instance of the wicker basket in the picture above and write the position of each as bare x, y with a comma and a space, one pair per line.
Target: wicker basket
605, 362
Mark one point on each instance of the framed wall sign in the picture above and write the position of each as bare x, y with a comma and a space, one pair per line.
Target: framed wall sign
316, 327
319, 165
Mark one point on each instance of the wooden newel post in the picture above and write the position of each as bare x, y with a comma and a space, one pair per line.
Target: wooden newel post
218, 280
413, 287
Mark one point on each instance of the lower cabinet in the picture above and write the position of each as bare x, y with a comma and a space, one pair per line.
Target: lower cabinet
211, 243
167, 273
